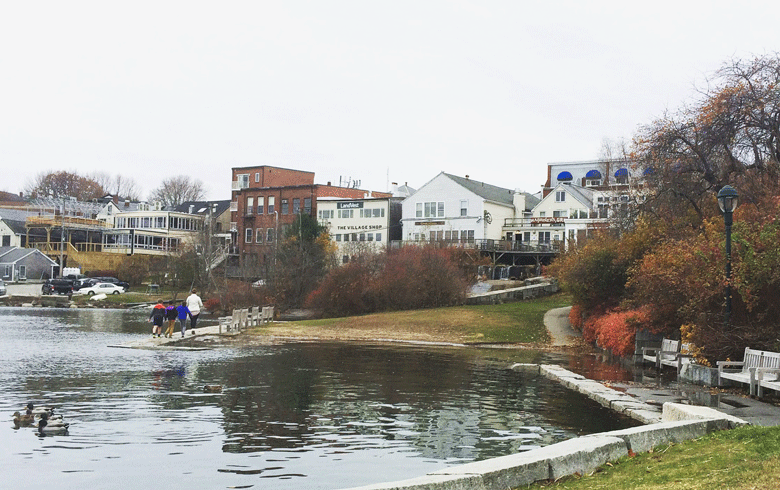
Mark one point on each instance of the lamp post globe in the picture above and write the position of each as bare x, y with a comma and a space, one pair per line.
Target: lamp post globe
728, 198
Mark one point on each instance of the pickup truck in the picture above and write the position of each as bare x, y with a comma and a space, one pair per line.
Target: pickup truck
57, 286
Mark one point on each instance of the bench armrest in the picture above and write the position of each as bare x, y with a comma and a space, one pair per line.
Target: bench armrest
724, 364
763, 370
654, 350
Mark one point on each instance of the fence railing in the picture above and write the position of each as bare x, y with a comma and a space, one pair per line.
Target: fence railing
485, 245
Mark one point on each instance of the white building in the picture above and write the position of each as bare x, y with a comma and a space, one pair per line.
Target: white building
568, 212
460, 210
357, 226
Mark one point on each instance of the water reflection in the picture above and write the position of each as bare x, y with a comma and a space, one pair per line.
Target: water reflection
324, 415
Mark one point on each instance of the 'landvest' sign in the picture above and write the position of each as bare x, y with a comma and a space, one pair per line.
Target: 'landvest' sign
349, 205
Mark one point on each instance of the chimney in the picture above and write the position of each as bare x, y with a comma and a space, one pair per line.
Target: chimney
116, 200
467, 177
328, 183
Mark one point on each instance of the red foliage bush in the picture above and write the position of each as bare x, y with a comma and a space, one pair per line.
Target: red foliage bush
616, 330
575, 317
409, 278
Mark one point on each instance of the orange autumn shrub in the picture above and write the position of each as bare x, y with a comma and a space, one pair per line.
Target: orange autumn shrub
575, 317
616, 330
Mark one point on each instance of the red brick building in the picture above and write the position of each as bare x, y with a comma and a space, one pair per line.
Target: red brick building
265, 201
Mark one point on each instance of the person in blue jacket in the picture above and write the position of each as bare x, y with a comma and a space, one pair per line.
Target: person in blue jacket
183, 312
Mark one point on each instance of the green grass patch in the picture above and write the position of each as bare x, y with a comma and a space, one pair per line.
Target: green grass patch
739, 459
520, 321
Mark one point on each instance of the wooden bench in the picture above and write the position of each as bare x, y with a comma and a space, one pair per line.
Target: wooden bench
664, 355
753, 360
267, 314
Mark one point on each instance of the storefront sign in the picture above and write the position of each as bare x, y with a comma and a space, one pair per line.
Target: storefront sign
349, 205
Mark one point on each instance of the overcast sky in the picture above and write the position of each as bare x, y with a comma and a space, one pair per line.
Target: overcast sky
376, 91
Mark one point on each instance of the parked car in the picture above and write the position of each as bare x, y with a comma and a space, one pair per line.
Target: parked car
84, 282
114, 280
3, 290
57, 286
101, 288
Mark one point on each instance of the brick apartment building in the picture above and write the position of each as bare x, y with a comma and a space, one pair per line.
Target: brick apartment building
265, 201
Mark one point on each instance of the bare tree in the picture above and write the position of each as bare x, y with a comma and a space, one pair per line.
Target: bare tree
176, 190
118, 185
64, 184
730, 136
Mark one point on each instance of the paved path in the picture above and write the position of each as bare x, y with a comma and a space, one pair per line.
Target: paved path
558, 326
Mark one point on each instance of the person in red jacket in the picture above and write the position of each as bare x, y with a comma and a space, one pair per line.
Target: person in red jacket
157, 316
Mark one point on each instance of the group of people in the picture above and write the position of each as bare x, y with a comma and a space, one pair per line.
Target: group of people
166, 311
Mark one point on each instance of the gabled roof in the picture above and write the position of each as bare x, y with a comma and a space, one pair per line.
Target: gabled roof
202, 207
10, 255
581, 194
493, 193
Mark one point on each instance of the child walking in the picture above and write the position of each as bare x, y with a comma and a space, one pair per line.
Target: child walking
183, 312
157, 316
170, 315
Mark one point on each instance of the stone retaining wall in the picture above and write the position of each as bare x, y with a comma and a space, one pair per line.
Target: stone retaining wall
513, 294
676, 423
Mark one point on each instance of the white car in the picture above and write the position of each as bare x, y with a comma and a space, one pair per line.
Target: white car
101, 288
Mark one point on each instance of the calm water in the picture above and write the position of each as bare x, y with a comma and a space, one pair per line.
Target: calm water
296, 415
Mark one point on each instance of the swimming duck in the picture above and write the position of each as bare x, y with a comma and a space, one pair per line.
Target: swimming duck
212, 389
39, 410
23, 420
55, 427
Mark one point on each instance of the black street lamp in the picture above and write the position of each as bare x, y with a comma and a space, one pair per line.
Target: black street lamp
727, 200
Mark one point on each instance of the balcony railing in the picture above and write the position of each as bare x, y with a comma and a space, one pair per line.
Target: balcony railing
486, 245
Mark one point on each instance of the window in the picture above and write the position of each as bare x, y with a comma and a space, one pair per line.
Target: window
250, 204
296, 205
259, 235
325, 213
362, 237
285, 206
542, 214
307, 205
560, 196
260, 204
271, 201
338, 237
592, 182
370, 237
242, 180
464, 207
346, 213
544, 237
248, 235
269, 235
22, 272
378, 237
257, 177
559, 214
430, 209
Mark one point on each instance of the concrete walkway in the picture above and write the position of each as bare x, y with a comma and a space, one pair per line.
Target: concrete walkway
557, 323
194, 340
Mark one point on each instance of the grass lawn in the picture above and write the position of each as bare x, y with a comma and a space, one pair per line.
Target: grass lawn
518, 322
739, 459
